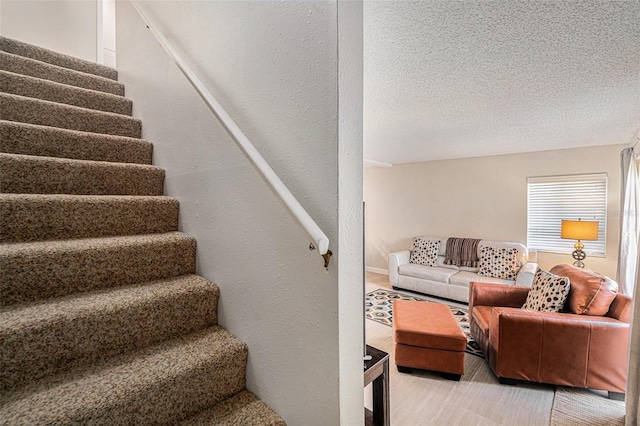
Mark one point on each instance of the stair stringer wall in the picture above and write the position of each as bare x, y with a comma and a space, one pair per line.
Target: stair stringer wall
273, 66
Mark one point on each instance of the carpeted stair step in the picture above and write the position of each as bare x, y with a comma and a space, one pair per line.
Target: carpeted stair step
48, 269
26, 66
161, 384
49, 56
46, 113
38, 88
29, 174
31, 139
241, 409
39, 217
45, 338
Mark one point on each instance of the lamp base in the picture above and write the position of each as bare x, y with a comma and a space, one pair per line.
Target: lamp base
579, 256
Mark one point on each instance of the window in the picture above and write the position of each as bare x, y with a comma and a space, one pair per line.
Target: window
553, 198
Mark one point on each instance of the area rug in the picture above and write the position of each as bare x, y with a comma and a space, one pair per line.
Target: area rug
583, 407
379, 308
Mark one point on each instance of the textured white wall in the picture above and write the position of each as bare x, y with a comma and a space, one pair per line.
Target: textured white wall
483, 197
64, 26
350, 273
274, 67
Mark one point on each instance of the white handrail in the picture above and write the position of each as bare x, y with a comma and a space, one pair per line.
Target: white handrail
319, 239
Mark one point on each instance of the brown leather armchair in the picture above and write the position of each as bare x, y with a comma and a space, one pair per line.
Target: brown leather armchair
565, 349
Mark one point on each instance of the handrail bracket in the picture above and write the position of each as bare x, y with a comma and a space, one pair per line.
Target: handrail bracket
327, 258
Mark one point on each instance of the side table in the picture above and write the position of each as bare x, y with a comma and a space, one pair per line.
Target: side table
376, 370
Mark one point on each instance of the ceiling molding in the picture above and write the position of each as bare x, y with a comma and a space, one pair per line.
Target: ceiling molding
374, 163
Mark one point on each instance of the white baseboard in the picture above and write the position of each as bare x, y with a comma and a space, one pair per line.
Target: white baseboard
377, 270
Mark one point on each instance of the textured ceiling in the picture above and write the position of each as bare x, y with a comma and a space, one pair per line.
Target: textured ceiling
451, 79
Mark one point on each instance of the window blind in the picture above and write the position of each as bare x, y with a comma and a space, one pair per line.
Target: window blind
573, 197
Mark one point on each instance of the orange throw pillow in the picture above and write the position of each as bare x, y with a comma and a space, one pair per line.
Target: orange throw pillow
590, 294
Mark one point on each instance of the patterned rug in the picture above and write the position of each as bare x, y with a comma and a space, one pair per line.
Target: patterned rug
379, 308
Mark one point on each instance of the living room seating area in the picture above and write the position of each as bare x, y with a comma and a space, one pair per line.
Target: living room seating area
585, 345
567, 326
445, 266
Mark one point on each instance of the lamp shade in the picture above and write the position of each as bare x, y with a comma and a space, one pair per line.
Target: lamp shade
579, 229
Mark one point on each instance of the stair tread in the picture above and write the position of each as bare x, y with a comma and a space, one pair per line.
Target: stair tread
117, 391
48, 269
36, 314
94, 199
68, 107
49, 56
38, 140
38, 88
37, 174
40, 217
46, 113
33, 67
46, 337
82, 244
241, 409
73, 161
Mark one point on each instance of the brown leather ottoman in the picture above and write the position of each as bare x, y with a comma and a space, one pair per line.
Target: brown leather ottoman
428, 337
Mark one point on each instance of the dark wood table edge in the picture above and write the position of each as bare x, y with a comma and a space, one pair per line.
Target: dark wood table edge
377, 372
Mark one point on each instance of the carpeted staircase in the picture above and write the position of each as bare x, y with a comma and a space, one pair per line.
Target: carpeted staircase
102, 317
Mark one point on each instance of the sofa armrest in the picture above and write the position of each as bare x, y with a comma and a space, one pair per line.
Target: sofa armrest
526, 274
621, 308
487, 294
396, 259
559, 348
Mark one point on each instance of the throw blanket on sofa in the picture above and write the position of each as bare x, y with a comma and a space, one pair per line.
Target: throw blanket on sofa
462, 252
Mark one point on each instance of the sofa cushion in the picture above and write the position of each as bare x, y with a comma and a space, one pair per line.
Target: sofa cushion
548, 292
590, 294
482, 316
523, 253
499, 262
465, 278
425, 251
443, 245
426, 272
441, 264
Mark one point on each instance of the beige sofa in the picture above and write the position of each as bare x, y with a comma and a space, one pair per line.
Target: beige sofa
450, 281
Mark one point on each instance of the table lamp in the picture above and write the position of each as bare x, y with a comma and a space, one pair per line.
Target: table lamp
579, 230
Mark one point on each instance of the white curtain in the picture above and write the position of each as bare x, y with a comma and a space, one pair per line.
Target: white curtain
632, 415
628, 263
629, 223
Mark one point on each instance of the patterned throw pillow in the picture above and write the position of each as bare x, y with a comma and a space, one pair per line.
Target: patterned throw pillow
425, 251
499, 262
548, 292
